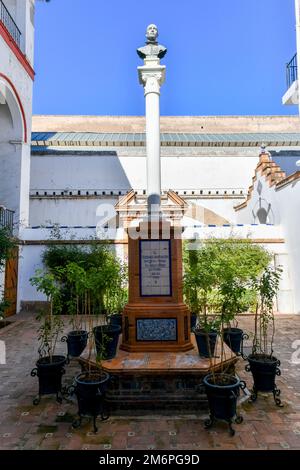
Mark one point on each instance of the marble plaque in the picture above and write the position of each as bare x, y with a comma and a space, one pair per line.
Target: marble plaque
155, 268
156, 329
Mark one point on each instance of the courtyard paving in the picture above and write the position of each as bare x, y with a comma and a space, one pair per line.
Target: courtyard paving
49, 425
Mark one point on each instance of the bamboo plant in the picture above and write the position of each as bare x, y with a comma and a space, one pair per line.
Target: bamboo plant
267, 286
51, 324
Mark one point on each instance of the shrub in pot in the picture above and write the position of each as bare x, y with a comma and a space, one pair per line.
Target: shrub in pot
91, 384
77, 278
106, 339
217, 274
206, 333
7, 247
116, 297
262, 363
191, 287
95, 258
222, 392
199, 280
222, 388
232, 291
50, 366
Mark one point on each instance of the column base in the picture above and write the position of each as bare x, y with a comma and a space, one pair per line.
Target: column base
162, 327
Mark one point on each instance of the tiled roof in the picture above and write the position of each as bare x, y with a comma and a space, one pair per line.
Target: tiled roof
91, 139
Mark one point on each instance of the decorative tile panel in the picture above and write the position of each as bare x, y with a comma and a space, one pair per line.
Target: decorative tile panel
156, 329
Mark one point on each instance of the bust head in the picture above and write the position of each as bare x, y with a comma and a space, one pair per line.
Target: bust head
152, 33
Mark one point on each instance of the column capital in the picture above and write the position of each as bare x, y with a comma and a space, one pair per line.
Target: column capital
152, 77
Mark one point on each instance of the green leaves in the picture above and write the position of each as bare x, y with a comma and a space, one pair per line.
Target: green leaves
51, 323
92, 272
220, 273
7, 243
266, 286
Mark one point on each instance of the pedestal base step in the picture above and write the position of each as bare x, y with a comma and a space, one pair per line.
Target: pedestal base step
164, 382
150, 393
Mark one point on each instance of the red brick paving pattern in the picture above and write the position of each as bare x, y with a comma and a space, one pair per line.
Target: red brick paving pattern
48, 425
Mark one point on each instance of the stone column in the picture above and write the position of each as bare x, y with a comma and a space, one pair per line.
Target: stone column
152, 76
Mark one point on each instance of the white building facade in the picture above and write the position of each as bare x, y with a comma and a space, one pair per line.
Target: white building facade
16, 82
86, 170
78, 172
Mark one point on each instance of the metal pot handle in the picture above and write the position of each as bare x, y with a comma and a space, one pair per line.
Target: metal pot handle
243, 384
34, 372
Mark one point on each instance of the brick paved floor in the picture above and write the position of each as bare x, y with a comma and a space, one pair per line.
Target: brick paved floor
48, 425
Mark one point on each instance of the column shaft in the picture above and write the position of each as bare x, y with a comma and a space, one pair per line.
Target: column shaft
153, 144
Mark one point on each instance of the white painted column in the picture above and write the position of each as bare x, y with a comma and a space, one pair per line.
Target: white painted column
153, 138
152, 76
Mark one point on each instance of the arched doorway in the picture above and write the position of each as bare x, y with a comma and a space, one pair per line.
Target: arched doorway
13, 135
12, 138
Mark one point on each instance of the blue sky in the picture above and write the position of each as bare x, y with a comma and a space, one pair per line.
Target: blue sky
225, 57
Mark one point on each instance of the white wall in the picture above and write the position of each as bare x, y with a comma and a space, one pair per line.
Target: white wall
30, 256
285, 207
223, 207
288, 200
185, 171
14, 152
122, 172
267, 199
66, 211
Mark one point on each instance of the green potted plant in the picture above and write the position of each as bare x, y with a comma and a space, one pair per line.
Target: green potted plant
190, 285
91, 384
240, 261
77, 307
49, 366
222, 385
113, 278
4, 304
223, 271
199, 281
218, 275
232, 291
262, 363
106, 335
7, 245
116, 296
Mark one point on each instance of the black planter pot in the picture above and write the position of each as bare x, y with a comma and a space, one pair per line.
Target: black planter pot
222, 392
193, 321
50, 375
233, 338
116, 319
76, 342
264, 370
106, 339
206, 342
90, 392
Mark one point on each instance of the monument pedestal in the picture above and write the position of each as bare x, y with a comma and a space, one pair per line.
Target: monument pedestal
155, 318
163, 382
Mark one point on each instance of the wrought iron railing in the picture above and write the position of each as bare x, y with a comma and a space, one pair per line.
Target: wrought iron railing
6, 218
291, 71
7, 20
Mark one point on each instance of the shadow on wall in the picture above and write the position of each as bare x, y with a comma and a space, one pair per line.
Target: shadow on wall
67, 186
